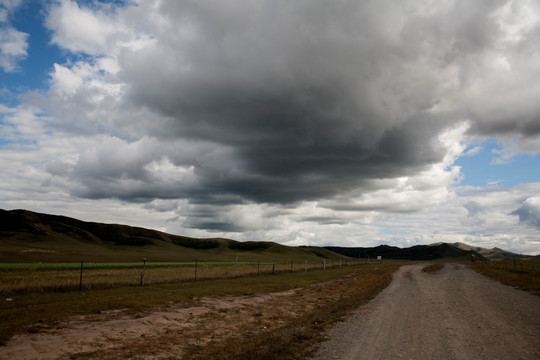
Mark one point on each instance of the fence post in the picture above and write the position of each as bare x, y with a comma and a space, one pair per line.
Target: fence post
305, 265
273, 267
142, 272
196, 270
234, 271
80, 278
291, 266
258, 267
324, 264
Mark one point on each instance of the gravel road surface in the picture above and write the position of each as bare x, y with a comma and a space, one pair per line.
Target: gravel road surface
454, 313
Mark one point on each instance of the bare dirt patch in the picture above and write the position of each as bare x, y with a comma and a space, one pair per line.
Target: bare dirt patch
179, 331
119, 332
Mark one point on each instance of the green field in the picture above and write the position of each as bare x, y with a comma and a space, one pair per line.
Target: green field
17, 278
112, 265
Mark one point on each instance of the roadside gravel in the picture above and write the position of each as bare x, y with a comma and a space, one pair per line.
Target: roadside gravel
451, 314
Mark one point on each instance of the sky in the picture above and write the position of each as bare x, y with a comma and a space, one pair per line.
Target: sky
347, 123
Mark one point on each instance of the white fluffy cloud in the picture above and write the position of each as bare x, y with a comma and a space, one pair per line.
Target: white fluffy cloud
298, 122
13, 43
81, 29
98, 28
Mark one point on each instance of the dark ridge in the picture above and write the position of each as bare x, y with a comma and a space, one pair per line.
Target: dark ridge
40, 229
17, 221
418, 252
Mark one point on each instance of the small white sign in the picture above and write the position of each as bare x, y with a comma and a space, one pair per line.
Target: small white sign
379, 257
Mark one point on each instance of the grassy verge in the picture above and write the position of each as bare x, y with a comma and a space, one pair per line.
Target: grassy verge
297, 338
432, 268
37, 311
522, 274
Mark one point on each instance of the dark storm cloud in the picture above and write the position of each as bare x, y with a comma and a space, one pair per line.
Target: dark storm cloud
529, 212
314, 97
307, 100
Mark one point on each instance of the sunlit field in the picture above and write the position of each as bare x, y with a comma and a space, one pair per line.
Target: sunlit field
24, 278
50, 306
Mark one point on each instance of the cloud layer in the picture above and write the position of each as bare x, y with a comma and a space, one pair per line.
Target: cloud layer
257, 116
13, 43
529, 212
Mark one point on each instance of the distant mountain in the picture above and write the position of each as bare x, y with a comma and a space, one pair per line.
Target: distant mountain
31, 236
491, 254
418, 252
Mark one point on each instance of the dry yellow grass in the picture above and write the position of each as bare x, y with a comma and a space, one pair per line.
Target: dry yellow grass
276, 326
46, 280
433, 268
522, 274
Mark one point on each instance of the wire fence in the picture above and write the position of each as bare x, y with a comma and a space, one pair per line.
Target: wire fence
520, 273
516, 265
26, 278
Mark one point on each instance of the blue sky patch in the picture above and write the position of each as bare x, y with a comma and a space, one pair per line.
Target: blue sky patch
482, 169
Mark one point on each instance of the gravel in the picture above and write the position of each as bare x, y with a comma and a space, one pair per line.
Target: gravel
454, 313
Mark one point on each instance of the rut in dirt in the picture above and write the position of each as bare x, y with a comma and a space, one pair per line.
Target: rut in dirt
451, 314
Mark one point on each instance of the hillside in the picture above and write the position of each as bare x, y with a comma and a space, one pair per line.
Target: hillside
491, 254
418, 252
29, 236
494, 253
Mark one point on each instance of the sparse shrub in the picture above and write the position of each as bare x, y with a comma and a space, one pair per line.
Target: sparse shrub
250, 245
432, 268
201, 244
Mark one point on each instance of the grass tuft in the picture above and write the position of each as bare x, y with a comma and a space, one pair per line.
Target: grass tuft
432, 268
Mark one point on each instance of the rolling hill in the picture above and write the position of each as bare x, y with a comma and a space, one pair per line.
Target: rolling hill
30, 236
27, 236
491, 254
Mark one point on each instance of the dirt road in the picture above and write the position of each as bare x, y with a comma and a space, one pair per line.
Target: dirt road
451, 314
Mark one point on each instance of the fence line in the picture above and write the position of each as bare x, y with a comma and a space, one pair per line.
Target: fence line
517, 265
88, 276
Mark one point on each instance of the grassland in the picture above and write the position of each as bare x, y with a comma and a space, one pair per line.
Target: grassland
62, 248
522, 274
37, 310
18, 278
42, 308
32, 237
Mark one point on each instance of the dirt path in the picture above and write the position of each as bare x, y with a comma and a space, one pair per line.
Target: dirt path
451, 314
161, 334
176, 331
